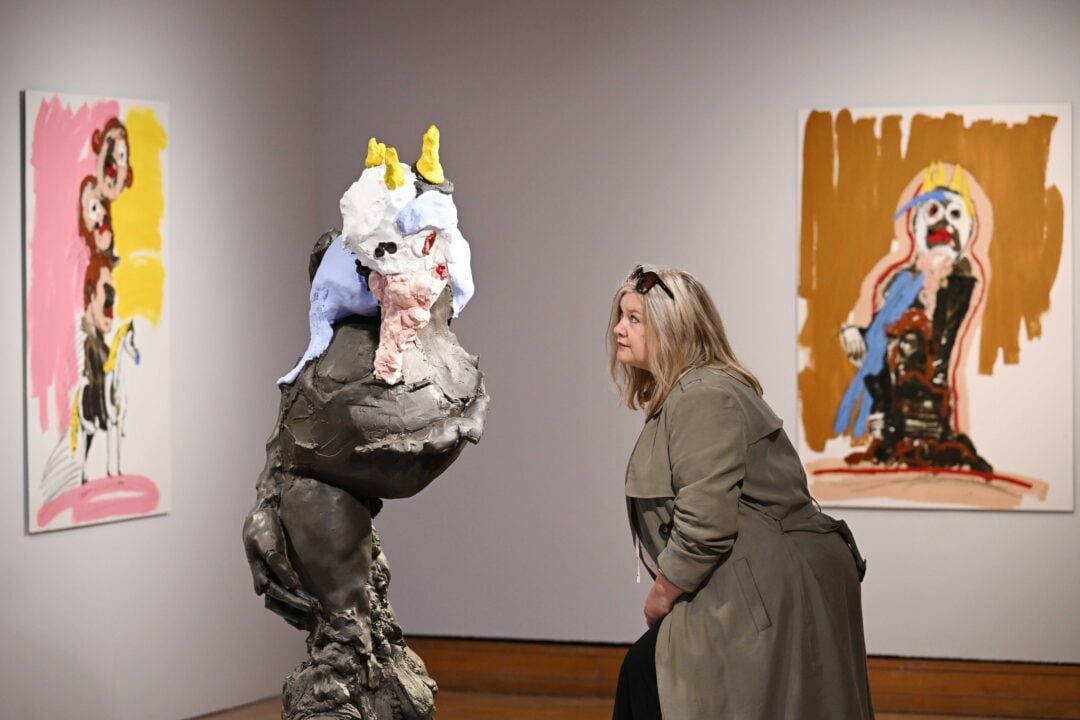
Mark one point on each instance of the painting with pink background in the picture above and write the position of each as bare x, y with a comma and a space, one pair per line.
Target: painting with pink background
95, 312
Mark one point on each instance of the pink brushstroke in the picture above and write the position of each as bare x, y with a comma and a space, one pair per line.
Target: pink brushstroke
103, 499
61, 158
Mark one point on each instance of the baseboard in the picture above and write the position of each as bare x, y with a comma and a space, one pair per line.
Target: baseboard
964, 687
958, 687
521, 667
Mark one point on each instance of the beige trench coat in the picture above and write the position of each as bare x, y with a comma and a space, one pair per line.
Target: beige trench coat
771, 625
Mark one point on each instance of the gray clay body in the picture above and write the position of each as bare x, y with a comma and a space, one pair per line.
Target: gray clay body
346, 427
343, 442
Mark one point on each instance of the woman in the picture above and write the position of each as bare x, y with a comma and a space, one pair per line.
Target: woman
755, 609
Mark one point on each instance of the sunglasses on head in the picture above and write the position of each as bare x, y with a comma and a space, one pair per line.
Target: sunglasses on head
645, 280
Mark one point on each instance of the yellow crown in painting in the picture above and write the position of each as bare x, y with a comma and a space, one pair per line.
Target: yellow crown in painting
959, 185
934, 176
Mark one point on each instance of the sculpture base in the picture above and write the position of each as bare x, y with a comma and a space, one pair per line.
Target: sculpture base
342, 679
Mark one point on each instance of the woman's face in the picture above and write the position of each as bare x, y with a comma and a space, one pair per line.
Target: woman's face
631, 348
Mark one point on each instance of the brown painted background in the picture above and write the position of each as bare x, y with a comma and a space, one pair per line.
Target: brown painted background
847, 226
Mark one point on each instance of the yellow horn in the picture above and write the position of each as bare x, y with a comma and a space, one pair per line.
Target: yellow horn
376, 152
394, 177
428, 165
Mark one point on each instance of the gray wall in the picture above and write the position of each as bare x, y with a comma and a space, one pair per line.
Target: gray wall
586, 137
156, 618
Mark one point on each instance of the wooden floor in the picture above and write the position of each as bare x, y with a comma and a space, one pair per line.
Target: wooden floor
529, 680
487, 706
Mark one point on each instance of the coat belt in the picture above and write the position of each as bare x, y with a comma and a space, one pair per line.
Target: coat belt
810, 519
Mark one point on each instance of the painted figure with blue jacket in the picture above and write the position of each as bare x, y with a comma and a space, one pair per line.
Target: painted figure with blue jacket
908, 333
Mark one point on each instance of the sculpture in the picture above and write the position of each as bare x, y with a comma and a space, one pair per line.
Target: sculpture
380, 404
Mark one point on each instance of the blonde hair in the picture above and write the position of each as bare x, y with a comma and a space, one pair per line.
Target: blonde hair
681, 334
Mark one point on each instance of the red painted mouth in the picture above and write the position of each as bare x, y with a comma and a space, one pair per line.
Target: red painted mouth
108, 312
939, 237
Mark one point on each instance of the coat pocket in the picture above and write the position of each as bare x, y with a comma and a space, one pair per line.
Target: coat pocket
751, 594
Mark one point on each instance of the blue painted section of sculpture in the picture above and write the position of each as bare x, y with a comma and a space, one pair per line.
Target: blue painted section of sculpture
337, 291
460, 268
429, 211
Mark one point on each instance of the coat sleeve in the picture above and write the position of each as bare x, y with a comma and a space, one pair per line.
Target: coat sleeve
707, 449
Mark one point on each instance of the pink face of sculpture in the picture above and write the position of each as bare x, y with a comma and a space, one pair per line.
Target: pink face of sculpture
95, 216
631, 346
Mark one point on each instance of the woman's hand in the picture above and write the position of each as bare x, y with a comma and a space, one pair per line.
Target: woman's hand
661, 598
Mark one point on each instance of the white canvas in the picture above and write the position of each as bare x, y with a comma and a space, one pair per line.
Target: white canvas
1005, 385
96, 310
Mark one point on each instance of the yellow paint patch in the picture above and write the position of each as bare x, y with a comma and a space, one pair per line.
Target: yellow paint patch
75, 422
137, 216
140, 282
